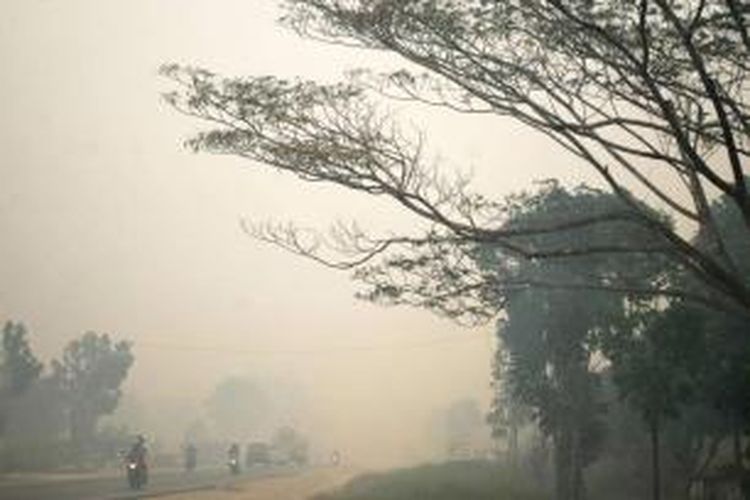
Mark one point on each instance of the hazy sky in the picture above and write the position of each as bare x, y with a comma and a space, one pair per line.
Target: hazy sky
109, 225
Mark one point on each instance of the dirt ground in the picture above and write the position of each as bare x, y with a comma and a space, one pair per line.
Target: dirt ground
297, 487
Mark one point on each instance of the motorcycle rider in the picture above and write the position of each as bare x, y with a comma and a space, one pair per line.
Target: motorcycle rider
137, 456
191, 457
234, 458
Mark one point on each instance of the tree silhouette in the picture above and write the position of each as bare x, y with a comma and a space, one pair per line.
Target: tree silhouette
90, 373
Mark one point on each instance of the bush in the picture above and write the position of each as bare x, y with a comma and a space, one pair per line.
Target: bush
34, 455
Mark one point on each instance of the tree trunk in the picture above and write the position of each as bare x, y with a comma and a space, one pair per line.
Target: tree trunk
513, 446
739, 464
655, 465
578, 486
569, 483
563, 489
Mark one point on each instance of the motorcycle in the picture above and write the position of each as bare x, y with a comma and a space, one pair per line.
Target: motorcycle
234, 465
137, 474
191, 460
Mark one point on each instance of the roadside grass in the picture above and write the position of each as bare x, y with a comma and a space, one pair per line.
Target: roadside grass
464, 480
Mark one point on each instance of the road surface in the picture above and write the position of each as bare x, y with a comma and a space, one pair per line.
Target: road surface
114, 487
301, 486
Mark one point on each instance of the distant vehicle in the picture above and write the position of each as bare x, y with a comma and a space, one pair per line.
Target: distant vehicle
258, 453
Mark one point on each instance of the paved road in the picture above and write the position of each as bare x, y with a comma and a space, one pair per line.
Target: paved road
114, 487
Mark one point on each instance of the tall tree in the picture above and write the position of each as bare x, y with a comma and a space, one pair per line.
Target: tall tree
649, 93
728, 380
19, 367
657, 370
552, 338
688, 360
508, 414
91, 372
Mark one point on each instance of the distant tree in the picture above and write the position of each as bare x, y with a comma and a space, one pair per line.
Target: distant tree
90, 374
239, 407
39, 414
289, 445
651, 94
19, 367
459, 423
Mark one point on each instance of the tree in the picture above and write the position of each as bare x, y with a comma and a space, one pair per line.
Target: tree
658, 369
548, 335
551, 339
39, 414
289, 445
19, 368
727, 381
649, 93
90, 374
239, 407
459, 424
692, 363
507, 413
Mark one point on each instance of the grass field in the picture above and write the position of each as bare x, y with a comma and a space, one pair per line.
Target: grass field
465, 480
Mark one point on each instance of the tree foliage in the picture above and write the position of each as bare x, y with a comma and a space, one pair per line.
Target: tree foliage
552, 338
685, 368
90, 373
19, 368
239, 407
289, 445
458, 426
